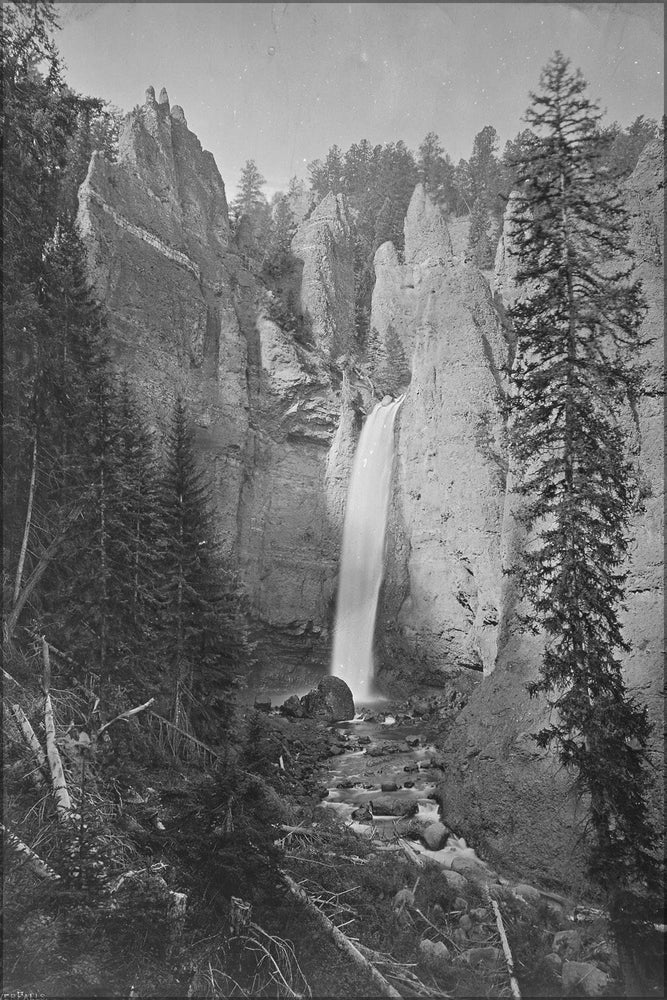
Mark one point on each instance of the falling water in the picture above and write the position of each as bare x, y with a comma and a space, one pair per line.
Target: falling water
362, 557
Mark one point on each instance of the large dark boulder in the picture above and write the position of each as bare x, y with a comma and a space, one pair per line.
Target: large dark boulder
331, 700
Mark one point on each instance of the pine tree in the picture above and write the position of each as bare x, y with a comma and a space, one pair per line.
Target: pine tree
277, 251
575, 326
626, 145
479, 236
250, 211
97, 129
136, 553
250, 196
436, 171
396, 182
484, 170
327, 176
463, 188
201, 639
38, 117
64, 354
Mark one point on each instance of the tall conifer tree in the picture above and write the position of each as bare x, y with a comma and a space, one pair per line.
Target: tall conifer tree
201, 638
576, 324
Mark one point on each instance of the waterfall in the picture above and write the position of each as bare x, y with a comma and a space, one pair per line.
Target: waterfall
362, 557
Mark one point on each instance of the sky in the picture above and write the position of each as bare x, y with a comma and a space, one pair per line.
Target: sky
280, 83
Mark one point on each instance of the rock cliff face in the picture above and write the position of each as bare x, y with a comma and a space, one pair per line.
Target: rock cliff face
277, 426
501, 789
442, 591
157, 234
187, 316
324, 243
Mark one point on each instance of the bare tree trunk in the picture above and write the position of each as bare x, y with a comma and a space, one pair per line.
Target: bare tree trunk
38, 572
514, 986
58, 782
28, 523
31, 741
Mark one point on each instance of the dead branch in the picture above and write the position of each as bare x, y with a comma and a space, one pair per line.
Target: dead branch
438, 930
31, 741
58, 782
341, 940
201, 747
409, 853
401, 971
514, 985
125, 715
62, 656
28, 523
38, 572
32, 860
8, 677
296, 831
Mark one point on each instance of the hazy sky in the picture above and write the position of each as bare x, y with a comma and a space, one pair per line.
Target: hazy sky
280, 83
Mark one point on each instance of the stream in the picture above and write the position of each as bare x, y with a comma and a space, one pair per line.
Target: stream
383, 786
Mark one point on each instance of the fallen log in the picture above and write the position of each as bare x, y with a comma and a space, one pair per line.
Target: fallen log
514, 985
31, 742
58, 782
341, 940
28, 523
32, 860
125, 715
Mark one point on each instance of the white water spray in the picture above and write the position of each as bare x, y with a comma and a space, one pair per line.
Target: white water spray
362, 557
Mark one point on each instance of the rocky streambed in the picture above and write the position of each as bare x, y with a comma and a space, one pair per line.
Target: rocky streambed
380, 784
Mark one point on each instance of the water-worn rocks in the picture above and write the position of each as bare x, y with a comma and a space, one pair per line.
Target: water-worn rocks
435, 954
435, 836
488, 956
583, 979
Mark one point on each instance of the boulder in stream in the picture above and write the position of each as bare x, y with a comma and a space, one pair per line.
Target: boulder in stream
331, 700
435, 836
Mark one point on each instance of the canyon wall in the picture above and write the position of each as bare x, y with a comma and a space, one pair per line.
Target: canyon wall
443, 581
509, 796
188, 315
278, 419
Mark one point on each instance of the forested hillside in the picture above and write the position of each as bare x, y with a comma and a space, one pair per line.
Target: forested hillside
378, 182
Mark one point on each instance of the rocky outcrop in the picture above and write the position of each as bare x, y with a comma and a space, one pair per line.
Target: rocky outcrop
442, 591
187, 314
160, 258
499, 787
644, 617
323, 242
